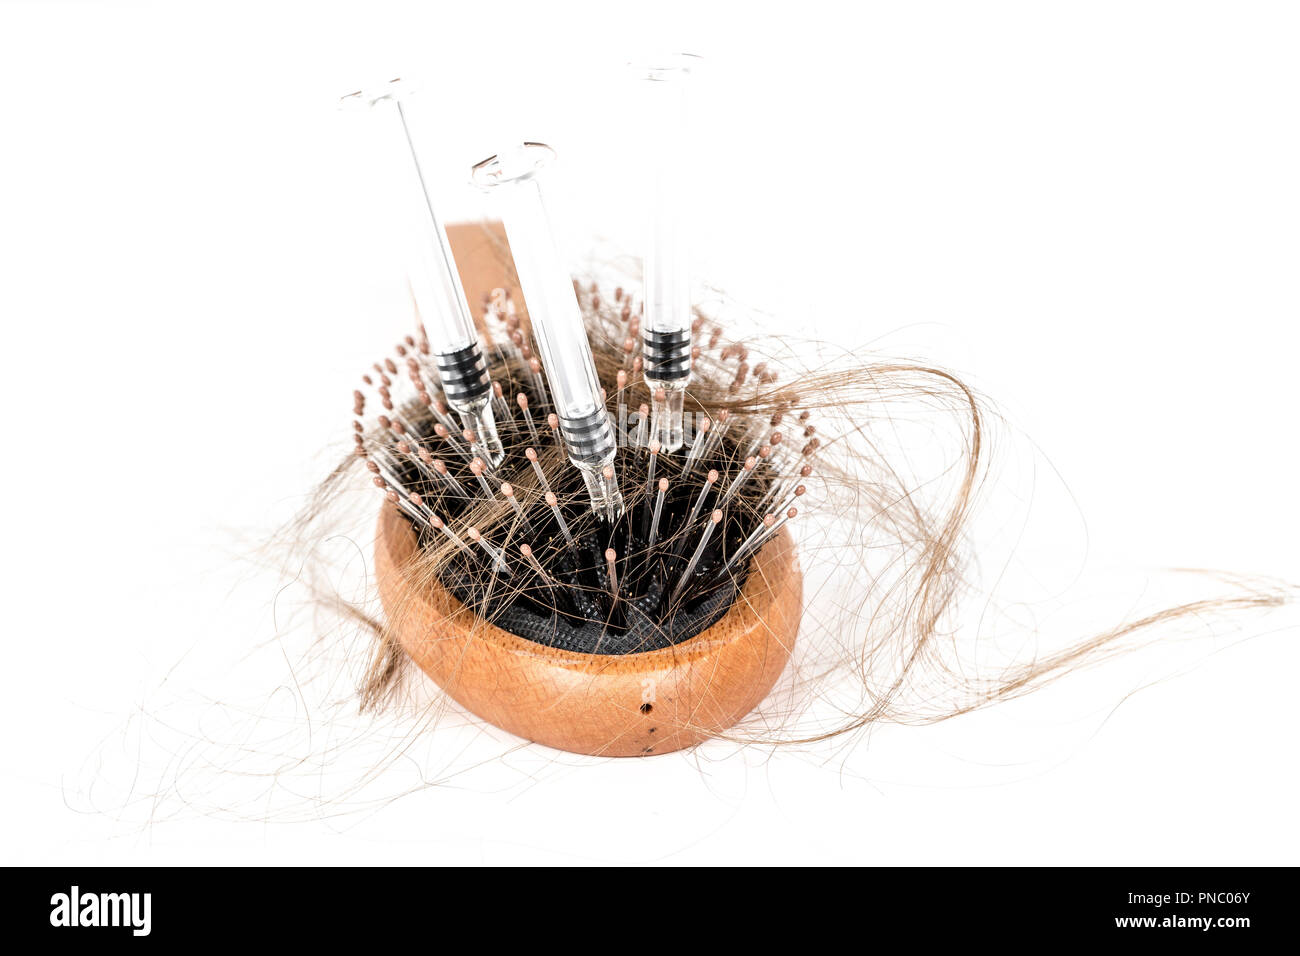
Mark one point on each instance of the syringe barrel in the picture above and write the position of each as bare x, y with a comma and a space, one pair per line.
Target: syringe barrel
557, 322
431, 268
666, 331
553, 309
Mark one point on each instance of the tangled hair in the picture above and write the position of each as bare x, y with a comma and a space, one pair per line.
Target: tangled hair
884, 542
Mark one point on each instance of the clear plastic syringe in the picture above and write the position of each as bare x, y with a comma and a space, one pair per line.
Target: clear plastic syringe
666, 333
435, 283
552, 305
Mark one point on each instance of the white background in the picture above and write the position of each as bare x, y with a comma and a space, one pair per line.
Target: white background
1091, 210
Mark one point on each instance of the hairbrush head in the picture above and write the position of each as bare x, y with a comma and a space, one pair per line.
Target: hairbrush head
647, 580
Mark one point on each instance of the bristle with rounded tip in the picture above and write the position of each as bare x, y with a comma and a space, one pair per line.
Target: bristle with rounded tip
714, 520
553, 503
522, 400
478, 468
611, 571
